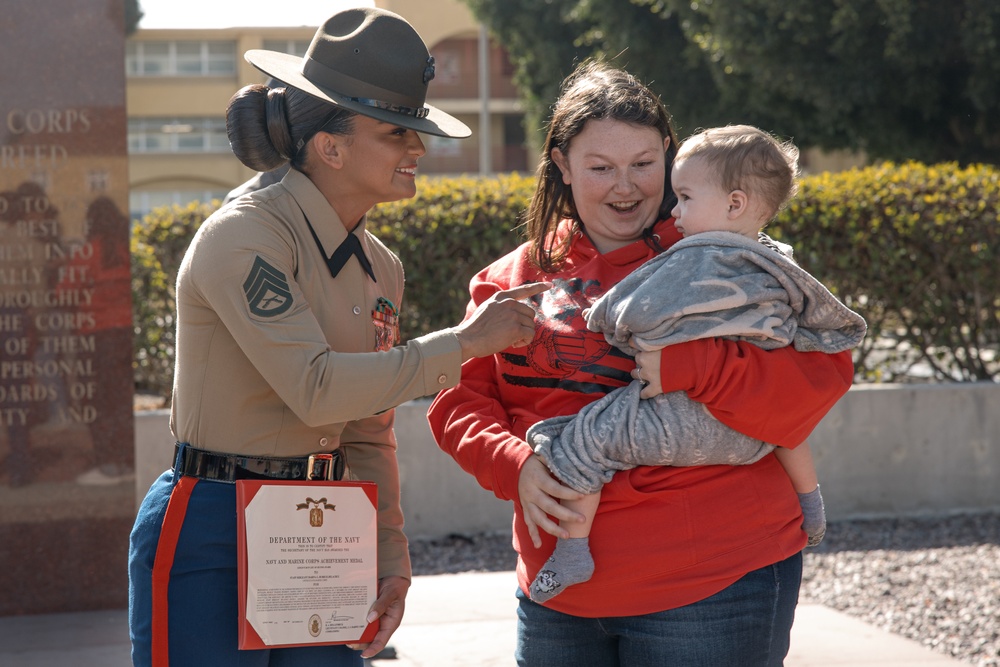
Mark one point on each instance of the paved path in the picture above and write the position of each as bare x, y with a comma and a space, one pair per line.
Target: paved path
442, 628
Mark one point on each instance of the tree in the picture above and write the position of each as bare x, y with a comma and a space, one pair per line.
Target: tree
651, 43
898, 79
133, 14
546, 39
541, 39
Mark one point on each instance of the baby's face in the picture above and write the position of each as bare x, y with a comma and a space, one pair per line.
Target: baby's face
702, 205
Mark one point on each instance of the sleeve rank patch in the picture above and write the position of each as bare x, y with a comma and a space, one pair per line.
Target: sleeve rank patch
267, 290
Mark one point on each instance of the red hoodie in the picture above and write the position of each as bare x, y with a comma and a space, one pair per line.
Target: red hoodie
663, 537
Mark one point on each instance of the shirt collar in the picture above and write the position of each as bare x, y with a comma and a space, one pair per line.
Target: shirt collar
328, 225
636, 252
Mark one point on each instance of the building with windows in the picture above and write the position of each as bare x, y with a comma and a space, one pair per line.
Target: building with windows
179, 82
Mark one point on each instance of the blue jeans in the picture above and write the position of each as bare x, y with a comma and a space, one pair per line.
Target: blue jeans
745, 625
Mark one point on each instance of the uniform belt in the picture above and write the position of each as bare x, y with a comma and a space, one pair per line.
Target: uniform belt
225, 467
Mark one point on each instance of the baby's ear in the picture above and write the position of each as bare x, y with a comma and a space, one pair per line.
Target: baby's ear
738, 203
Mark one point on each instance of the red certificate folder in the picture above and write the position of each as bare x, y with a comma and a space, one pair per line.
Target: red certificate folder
306, 562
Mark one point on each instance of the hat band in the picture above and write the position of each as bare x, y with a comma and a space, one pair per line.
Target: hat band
343, 85
422, 112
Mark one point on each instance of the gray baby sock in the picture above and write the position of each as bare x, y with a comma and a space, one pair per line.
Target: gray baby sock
569, 564
813, 516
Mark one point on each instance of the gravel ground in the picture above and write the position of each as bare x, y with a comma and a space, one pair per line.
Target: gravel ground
936, 581
933, 580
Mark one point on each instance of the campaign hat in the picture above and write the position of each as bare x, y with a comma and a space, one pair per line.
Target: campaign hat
370, 61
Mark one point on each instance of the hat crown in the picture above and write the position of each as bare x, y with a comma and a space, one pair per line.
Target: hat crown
369, 53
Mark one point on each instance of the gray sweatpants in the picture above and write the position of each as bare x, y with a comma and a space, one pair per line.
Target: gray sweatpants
621, 431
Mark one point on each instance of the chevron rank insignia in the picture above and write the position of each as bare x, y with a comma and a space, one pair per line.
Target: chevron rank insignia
268, 294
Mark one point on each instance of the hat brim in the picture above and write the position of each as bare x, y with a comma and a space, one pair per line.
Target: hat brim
288, 70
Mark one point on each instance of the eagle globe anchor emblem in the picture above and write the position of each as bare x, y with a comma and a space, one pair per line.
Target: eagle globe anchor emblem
316, 508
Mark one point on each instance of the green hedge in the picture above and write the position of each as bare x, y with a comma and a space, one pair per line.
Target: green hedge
911, 247
453, 228
444, 236
158, 244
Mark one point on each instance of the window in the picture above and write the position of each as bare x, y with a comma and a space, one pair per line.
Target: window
295, 47
443, 146
506, 66
447, 67
192, 58
142, 202
177, 135
219, 58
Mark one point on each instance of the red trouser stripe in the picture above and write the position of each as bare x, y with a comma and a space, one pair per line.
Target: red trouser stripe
170, 532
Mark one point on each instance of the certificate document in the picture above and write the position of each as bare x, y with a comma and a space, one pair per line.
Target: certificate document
307, 562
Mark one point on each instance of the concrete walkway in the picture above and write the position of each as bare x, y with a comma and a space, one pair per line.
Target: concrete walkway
452, 620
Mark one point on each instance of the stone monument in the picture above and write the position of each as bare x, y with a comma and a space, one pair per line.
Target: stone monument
67, 496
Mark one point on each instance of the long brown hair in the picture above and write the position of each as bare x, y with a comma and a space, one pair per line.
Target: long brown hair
594, 91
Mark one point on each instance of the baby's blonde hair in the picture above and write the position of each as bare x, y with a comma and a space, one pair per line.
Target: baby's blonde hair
746, 158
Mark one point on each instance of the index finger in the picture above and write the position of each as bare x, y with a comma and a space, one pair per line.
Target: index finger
524, 291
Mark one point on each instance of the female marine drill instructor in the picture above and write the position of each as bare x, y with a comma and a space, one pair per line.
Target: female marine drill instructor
287, 334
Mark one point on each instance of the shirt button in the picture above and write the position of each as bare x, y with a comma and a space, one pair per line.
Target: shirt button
442, 378
324, 442
357, 310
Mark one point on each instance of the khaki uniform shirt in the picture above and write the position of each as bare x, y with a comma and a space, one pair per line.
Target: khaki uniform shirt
277, 358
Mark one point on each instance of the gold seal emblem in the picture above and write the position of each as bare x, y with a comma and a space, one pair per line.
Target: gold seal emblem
315, 625
315, 508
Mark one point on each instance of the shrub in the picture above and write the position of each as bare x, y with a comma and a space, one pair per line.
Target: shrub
913, 248
158, 244
451, 230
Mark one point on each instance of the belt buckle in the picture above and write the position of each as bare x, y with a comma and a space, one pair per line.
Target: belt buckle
321, 467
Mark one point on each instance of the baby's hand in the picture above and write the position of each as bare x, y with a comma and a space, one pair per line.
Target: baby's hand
647, 371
